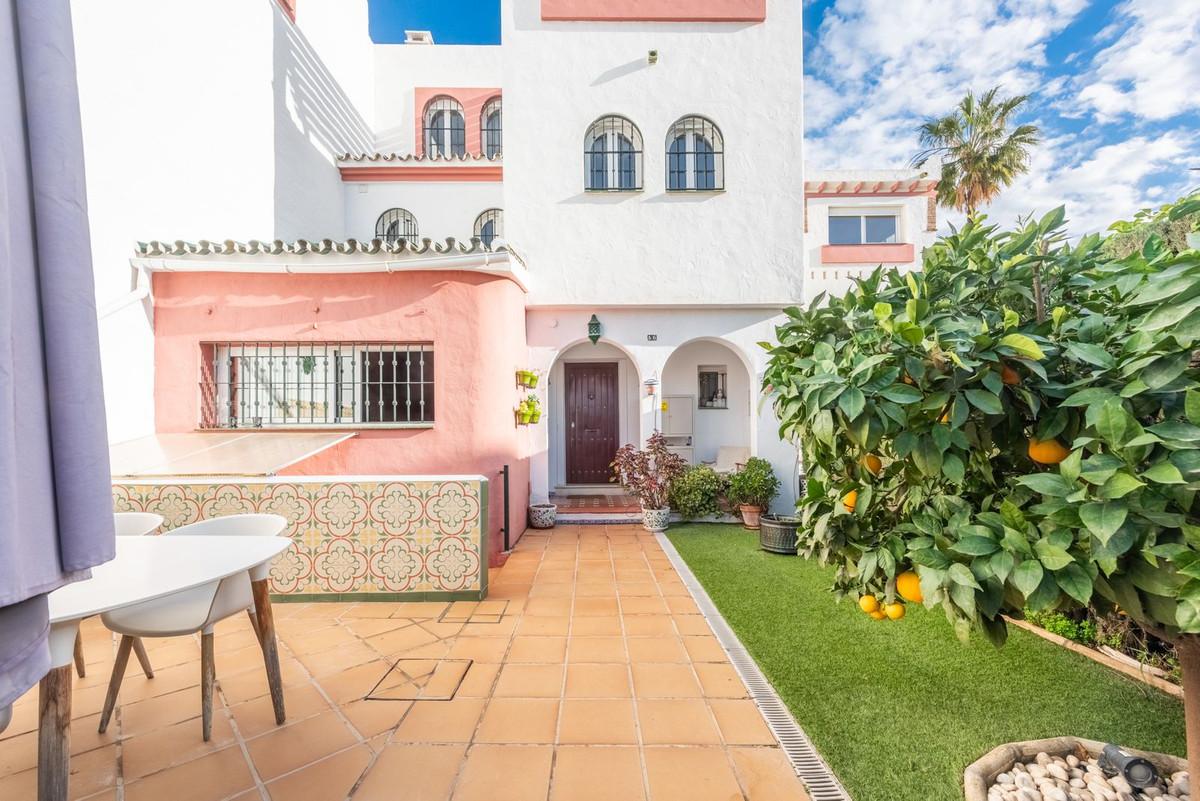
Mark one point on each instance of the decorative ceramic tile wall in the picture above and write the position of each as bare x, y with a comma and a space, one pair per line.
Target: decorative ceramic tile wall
351, 537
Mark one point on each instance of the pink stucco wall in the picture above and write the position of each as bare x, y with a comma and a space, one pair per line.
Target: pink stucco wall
475, 322
656, 10
901, 253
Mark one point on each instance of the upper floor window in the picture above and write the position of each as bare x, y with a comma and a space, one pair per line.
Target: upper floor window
491, 128
862, 229
445, 128
273, 384
695, 156
612, 155
489, 225
396, 224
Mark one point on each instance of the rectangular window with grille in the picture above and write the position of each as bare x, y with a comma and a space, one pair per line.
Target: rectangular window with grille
289, 384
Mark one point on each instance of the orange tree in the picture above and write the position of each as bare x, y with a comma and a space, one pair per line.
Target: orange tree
1012, 462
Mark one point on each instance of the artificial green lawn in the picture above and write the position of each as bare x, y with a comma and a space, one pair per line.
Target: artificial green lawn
899, 709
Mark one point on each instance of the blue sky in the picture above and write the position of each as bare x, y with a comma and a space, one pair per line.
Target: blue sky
1114, 86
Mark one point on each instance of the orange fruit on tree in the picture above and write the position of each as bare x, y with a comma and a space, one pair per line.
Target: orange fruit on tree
1050, 451
850, 500
878, 614
908, 584
894, 611
868, 604
1009, 376
873, 463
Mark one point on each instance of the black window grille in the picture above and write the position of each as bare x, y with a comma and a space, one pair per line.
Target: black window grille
489, 225
612, 155
396, 224
695, 156
492, 128
445, 128
288, 384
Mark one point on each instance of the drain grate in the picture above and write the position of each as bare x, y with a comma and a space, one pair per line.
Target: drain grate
822, 785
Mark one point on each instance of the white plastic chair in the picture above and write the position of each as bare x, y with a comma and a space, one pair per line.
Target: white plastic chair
730, 457
127, 524
194, 610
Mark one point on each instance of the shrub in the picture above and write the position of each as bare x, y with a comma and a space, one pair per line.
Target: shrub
648, 473
753, 485
1081, 631
695, 494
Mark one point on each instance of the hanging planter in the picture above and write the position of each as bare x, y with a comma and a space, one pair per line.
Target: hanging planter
527, 378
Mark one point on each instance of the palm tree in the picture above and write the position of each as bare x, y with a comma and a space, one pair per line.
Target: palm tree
978, 152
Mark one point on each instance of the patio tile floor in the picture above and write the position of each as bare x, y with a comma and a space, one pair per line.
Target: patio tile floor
593, 678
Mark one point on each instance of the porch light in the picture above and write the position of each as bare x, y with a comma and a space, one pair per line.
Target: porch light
651, 385
594, 329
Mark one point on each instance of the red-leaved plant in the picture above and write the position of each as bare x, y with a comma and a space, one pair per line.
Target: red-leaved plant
648, 473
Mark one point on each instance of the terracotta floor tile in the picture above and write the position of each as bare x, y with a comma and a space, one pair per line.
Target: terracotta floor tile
554, 575
331, 779
372, 609
597, 774
480, 627
509, 720
643, 606
648, 626
664, 680
741, 723
257, 716
690, 774
355, 683
426, 772
396, 642
208, 778
636, 589
689, 625
551, 590
720, 681
420, 609
596, 649
440, 629
537, 626
505, 773
440, 721
321, 640
538, 649
252, 683
767, 775
478, 681
480, 649
677, 722
172, 745
598, 681
165, 710
530, 681
656, 649
595, 589
596, 626
591, 607
371, 626
548, 607
682, 606
705, 649
591, 721
339, 658
297, 744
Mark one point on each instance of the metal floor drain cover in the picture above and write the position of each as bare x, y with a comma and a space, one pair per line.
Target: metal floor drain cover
421, 680
820, 781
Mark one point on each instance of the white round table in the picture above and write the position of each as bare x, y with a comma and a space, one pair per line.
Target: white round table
145, 568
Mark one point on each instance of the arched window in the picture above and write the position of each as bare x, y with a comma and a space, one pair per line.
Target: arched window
489, 225
695, 156
491, 128
445, 129
612, 155
396, 224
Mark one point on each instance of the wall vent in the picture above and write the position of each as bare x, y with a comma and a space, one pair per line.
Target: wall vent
418, 37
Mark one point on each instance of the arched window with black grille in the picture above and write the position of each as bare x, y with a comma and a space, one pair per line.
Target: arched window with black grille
489, 225
612, 155
695, 156
491, 128
445, 128
396, 224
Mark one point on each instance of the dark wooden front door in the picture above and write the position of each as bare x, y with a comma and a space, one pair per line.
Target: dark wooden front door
591, 404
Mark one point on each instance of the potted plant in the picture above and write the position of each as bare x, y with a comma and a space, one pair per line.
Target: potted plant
524, 412
532, 378
752, 489
648, 475
777, 533
535, 408
542, 515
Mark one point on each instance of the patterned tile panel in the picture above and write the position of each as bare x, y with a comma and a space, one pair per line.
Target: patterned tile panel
349, 536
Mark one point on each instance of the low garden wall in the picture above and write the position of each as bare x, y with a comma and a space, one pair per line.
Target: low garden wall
355, 538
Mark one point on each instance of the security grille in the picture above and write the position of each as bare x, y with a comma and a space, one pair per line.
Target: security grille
274, 384
695, 156
396, 224
489, 225
445, 129
492, 128
612, 155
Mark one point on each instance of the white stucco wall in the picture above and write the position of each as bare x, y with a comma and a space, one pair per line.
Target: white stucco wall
441, 209
743, 245
712, 428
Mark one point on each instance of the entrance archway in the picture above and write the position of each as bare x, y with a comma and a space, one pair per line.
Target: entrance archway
709, 410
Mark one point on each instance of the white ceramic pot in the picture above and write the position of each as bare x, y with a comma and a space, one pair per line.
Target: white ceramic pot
1193, 240
655, 519
542, 515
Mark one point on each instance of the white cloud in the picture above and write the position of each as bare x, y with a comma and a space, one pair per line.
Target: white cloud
1152, 68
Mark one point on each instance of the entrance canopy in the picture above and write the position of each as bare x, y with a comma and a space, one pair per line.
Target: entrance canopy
230, 453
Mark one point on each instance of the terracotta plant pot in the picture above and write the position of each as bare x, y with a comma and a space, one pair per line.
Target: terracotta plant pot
750, 516
542, 515
655, 519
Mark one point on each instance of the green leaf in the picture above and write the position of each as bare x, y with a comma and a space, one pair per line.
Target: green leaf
984, 401
1103, 519
1075, 582
852, 402
1051, 556
1164, 473
1001, 564
902, 393
928, 456
1050, 484
1027, 576
883, 311
1087, 397
1165, 370
961, 574
1111, 421
1069, 468
1191, 404
1092, 354
975, 545
952, 468
1022, 345
1187, 616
